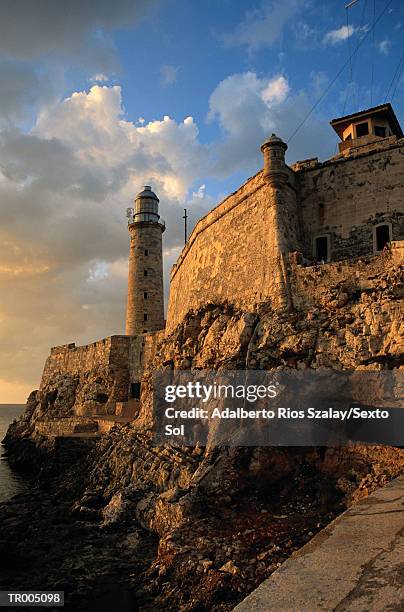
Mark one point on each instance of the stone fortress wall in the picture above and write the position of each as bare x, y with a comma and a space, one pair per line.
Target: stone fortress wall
92, 381
237, 251
88, 379
347, 196
223, 259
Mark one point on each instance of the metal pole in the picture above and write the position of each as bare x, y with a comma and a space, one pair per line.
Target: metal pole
185, 217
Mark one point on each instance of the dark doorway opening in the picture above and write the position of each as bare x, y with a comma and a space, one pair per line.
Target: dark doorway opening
382, 237
322, 248
135, 390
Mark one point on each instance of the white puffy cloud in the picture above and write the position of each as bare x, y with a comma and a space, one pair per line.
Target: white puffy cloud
263, 26
333, 37
93, 124
249, 108
234, 94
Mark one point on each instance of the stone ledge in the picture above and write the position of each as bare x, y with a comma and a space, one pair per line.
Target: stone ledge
352, 565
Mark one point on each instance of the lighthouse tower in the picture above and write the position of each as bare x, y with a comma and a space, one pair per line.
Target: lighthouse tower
145, 308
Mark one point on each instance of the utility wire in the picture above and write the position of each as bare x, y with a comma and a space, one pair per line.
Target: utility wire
327, 89
350, 79
396, 72
373, 55
349, 46
397, 82
356, 57
347, 7
350, 62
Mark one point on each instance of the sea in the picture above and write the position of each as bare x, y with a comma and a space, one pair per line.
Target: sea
10, 482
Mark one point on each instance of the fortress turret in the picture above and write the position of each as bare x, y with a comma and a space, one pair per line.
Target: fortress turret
145, 308
275, 170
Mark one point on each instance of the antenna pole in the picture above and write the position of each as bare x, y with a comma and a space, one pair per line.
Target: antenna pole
185, 217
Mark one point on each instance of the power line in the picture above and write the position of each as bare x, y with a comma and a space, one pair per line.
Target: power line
355, 58
349, 59
349, 46
373, 55
397, 82
397, 70
360, 29
327, 89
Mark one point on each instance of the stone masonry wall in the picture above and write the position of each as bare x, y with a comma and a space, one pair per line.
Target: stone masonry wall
232, 254
345, 197
145, 307
237, 251
80, 382
86, 380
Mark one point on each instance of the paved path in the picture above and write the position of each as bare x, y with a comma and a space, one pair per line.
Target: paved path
356, 564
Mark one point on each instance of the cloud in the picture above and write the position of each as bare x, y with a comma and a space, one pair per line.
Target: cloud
40, 39
249, 107
23, 89
168, 75
263, 27
99, 78
64, 188
304, 33
200, 193
384, 47
75, 29
333, 37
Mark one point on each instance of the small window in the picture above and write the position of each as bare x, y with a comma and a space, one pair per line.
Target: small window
146, 252
382, 236
321, 248
145, 273
362, 129
135, 390
145, 295
380, 131
145, 317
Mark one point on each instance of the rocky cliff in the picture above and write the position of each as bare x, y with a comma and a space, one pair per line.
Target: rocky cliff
197, 528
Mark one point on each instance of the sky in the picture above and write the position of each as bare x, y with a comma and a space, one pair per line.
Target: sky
99, 98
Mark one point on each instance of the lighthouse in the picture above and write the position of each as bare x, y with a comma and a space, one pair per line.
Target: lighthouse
145, 306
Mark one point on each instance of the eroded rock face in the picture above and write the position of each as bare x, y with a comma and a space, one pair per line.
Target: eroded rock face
58, 398
358, 329
94, 392
226, 518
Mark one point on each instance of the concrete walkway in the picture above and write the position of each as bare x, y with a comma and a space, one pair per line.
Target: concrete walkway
355, 564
